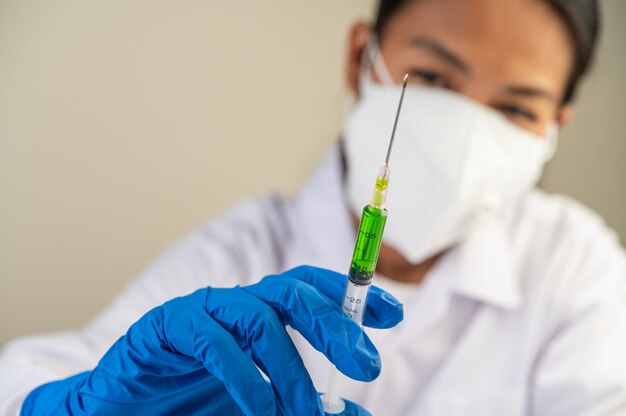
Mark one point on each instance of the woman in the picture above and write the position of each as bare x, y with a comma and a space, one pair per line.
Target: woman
514, 301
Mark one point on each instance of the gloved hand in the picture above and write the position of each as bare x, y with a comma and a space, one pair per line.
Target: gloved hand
199, 354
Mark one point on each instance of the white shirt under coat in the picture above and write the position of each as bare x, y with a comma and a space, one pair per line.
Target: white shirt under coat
526, 317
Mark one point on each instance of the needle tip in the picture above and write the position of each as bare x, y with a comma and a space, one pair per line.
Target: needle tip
405, 80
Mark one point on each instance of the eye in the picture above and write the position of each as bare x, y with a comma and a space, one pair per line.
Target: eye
429, 77
515, 111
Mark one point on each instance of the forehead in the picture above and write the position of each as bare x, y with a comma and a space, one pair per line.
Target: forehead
519, 40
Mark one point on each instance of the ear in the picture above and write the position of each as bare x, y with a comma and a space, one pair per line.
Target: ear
358, 38
564, 115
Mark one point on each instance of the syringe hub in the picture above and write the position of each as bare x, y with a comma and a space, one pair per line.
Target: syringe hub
379, 194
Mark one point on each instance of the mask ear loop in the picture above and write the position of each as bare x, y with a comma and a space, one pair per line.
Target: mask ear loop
380, 68
372, 62
365, 68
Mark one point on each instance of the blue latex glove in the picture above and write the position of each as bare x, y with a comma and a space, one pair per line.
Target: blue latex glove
198, 354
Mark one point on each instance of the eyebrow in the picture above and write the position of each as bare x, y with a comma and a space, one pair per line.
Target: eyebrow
530, 92
441, 51
455, 60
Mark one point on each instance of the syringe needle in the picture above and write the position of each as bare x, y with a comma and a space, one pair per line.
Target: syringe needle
405, 80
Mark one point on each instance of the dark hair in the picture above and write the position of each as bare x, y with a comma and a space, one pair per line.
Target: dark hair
582, 18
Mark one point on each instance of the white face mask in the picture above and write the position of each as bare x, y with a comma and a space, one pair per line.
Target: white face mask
454, 162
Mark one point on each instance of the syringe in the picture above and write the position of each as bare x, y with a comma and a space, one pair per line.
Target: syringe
364, 259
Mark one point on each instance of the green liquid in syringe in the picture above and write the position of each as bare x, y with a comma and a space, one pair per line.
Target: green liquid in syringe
367, 245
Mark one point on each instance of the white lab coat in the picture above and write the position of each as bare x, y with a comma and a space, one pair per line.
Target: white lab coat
525, 317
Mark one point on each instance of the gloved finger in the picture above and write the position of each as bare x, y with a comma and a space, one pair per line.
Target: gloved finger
353, 409
256, 326
197, 335
382, 310
323, 324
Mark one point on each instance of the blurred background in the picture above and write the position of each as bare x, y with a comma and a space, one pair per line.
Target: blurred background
125, 124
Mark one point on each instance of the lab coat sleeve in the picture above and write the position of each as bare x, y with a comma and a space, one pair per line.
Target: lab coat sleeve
581, 370
239, 248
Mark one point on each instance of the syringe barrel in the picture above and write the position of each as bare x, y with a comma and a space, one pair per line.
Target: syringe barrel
367, 247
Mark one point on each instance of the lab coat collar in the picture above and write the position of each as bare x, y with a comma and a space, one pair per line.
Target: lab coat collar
486, 265
482, 266
323, 231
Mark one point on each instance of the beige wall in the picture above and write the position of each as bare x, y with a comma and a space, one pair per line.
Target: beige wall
590, 164
123, 124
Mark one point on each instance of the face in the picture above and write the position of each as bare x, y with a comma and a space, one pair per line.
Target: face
513, 56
